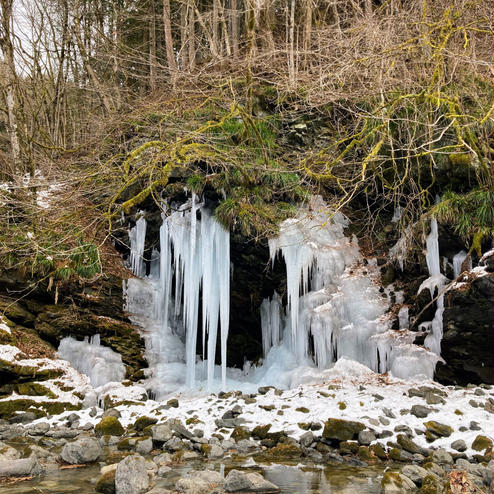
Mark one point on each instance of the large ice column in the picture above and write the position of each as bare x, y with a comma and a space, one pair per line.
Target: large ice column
201, 263
100, 363
315, 251
137, 236
435, 284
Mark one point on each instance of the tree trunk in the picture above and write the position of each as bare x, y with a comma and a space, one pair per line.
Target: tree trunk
170, 54
152, 47
10, 78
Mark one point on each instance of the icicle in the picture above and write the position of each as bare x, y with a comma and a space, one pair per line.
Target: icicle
137, 237
458, 261
271, 320
435, 283
403, 318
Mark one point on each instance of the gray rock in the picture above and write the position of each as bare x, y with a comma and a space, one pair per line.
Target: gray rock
237, 481
384, 421
93, 412
73, 417
264, 389
8, 452
420, 411
306, 439
24, 467
415, 473
62, 433
434, 399
144, 446
200, 482
396, 483
109, 440
442, 457
215, 451
405, 429
474, 426
9, 431
111, 412
131, 476
479, 392
40, 453
246, 446
389, 413
38, 429
177, 427
83, 450
459, 445
159, 490
161, 433
366, 437
23, 418
174, 444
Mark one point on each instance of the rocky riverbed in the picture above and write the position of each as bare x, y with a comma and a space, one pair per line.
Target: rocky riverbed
393, 436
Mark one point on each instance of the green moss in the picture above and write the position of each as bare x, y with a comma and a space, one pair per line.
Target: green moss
348, 447
341, 405
341, 430
365, 454
438, 429
106, 483
378, 450
142, 422
261, 431
481, 443
109, 426
281, 451
8, 408
34, 389
240, 433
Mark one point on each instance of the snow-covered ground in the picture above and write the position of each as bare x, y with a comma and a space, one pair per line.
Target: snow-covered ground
351, 392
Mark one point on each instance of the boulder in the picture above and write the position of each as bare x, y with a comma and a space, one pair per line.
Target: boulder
83, 450
24, 467
200, 482
131, 476
106, 481
237, 481
109, 426
341, 430
438, 429
161, 433
415, 473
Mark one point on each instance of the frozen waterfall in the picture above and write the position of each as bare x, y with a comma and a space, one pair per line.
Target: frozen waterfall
194, 268
334, 308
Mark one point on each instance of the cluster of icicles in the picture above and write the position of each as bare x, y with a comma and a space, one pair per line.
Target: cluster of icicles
334, 309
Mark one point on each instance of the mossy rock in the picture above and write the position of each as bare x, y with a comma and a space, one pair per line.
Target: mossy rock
283, 451
378, 450
438, 429
407, 444
8, 408
393, 482
205, 449
14, 311
431, 485
126, 444
365, 454
341, 430
109, 426
396, 454
142, 422
304, 425
16, 373
261, 431
240, 433
34, 389
348, 447
116, 456
106, 483
302, 410
481, 443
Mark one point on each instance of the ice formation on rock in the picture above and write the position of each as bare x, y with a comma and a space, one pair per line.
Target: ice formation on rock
334, 303
435, 284
101, 364
458, 261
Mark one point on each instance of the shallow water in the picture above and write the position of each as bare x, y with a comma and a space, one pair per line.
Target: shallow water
292, 479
